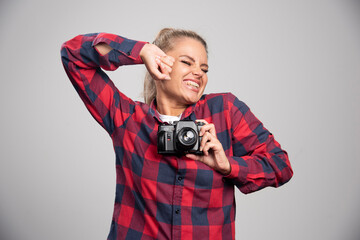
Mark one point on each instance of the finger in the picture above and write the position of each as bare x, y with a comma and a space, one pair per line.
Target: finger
157, 75
208, 128
168, 60
161, 70
165, 64
208, 146
202, 130
161, 65
166, 69
212, 129
207, 137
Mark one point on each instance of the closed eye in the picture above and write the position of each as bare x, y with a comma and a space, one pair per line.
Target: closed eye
189, 63
186, 62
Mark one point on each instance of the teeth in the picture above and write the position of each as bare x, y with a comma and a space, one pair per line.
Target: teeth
191, 83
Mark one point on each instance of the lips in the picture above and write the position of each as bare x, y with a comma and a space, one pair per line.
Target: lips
193, 84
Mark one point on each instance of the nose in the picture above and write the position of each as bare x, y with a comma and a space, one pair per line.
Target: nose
197, 71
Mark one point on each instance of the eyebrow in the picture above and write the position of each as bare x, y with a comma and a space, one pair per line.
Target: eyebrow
192, 59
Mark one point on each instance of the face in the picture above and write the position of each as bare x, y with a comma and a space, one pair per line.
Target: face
188, 75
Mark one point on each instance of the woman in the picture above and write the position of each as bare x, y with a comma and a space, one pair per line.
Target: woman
173, 196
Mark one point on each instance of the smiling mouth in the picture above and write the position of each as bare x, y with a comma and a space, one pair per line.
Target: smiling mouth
191, 83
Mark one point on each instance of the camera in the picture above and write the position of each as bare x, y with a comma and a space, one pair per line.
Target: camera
179, 138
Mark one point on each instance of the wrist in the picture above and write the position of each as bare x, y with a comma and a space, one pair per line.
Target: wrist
143, 51
227, 170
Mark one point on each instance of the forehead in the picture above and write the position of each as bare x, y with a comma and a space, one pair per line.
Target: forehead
190, 47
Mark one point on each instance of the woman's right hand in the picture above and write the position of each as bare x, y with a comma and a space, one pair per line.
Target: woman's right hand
158, 64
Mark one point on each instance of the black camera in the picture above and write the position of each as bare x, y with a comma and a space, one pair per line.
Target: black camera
181, 137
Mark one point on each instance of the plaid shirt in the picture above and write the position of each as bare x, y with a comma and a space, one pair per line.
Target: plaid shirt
170, 197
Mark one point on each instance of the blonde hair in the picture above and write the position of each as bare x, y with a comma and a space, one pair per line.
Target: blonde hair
165, 40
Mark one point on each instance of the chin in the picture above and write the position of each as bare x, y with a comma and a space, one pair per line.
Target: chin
192, 99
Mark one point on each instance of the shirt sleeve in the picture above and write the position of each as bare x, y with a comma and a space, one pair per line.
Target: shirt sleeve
258, 160
83, 65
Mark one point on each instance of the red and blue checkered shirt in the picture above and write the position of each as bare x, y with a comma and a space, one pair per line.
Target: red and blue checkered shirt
170, 197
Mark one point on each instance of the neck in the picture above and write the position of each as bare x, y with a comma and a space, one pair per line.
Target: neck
170, 108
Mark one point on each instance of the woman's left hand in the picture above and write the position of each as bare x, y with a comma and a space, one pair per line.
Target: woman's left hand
214, 154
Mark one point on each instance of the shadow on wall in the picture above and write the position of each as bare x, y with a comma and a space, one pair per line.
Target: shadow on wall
5, 232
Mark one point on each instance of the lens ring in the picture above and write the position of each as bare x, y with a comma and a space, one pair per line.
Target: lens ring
186, 138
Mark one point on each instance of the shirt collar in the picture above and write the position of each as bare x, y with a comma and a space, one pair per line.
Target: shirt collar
186, 114
153, 110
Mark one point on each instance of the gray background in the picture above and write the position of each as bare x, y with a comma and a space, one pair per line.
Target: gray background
295, 63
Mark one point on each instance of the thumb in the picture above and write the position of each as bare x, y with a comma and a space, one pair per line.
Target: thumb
193, 157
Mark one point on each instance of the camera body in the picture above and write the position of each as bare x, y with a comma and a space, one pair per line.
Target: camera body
179, 138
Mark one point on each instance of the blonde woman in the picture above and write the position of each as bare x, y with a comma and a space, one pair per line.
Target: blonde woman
173, 193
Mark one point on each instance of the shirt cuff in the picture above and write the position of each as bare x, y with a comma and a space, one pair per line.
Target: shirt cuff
127, 47
237, 172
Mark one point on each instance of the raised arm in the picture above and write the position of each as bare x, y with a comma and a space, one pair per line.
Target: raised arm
83, 57
258, 160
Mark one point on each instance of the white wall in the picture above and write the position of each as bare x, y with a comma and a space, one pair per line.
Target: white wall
295, 63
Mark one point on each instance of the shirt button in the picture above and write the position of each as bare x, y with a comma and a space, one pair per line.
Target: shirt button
180, 178
177, 211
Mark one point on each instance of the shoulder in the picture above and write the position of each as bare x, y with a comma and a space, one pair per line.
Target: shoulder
226, 100
215, 98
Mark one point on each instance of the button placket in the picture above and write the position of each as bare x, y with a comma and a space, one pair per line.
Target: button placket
178, 191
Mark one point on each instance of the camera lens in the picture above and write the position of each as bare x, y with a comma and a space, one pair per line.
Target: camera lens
187, 138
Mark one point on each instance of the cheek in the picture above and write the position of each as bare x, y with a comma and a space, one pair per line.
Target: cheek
174, 71
179, 70
205, 81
